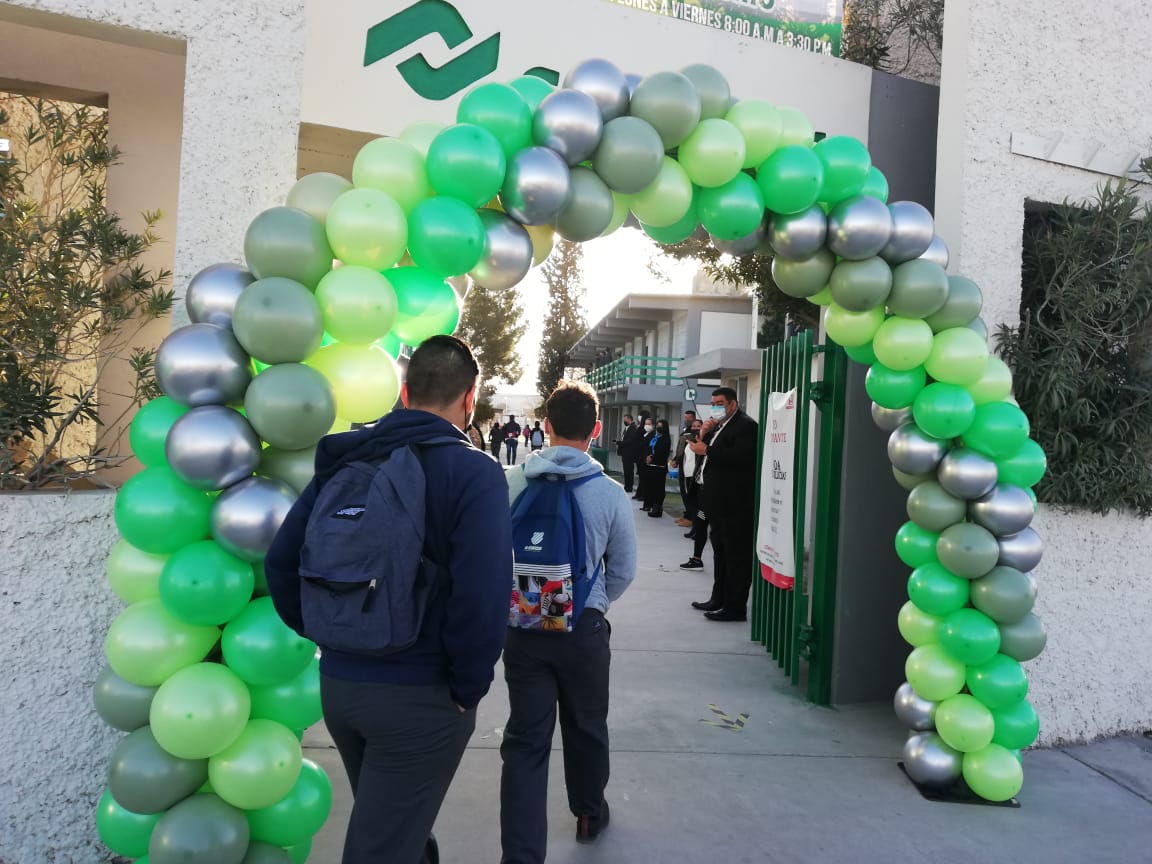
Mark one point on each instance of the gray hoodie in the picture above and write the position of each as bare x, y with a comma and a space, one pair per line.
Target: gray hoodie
607, 514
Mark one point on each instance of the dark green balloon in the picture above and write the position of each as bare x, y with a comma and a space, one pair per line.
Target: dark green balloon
288, 242
146, 778
805, 278
846, 167
290, 406
678, 231
202, 829
630, 155
121, 704
1023, 640
158, 512
266, 853
969, 636
1025, 467
500, 109
1004, 594
1016, 726
124, 832
998, 429
998, 683
149, 429
532, 89
961, 308
919, 289
943, 410
891, 388
936, 591
589, 209
933, 509
861, 285
915, 546
967, 550
862, 354
733, 210
277, 320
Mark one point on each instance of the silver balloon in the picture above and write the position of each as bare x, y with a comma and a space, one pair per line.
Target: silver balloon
930, 762
633, 80
212, 447
913, 710
202, 364
212, 294
912, 232
981, 327
913, 452
859, 227
605, 83
537, 186
890, 419
800, 235
1022, 551
742, 246
1004, 511
507, 252
937, 252
245, 517
964, 473
568, 122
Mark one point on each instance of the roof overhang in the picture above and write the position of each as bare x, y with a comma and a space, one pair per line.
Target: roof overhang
721, 362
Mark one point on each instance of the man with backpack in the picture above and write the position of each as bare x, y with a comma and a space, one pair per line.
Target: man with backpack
537, 437
396, 563
575, 547
511, 439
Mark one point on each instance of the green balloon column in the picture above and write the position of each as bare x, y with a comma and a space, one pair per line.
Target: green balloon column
214, 690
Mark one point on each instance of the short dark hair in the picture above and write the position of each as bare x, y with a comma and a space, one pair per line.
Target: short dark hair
572, 409
727, 392
690, 411
627, 416
440, 371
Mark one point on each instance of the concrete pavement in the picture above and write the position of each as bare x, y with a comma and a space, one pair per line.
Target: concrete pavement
798, 783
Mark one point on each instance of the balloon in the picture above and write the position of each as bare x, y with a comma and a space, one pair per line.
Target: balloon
146, 778
964, 723
967, 550
993, 773
964, 473
933, 509
569, 123
852, 328
146, 645
678, 231
936, 591
958, 356
1004, 511
937, 252
366, 227
257, 769
294, 467
666, 201
1016, 726
589, 210
543, 238
790, 179
1025, 467
859, 227
933, 674
970, 637
961, 308
806, 277
890, 419
902, 343
121, 704
910, 450
445, 236
290, 406
1004, 594
913, 711
202, 829
532, 89
712, 88
426, 305
795, 128
466, 162
299, 852
1023, 640
800, 235
212, 447
621, 213
860, 285
537, 186
998, 430
862, 354
998, 683
713, 154
199, 711
1022, 551
919, 289
133, 574
394, 167
245, 517
278, 321
732, 210
204, 585
602, 81
876, 186
287, 242
760, 123
980, 328
508, 253
202, 365
668, 101
266, 853
298, 815
930, 762
295, 703
501, 110
261, 648
943, 410
917, 626
158, 513
630, 155
894, 389
915, 546
149, 429
124, 832
314, 194
846, 165
912, 231
212, 293
910, 481
358, 303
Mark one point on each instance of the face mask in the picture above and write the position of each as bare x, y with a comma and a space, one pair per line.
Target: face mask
648, 427
719, 412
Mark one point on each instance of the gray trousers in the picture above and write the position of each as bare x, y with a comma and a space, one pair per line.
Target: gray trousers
400, 746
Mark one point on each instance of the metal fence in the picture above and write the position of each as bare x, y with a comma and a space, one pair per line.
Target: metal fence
634, 369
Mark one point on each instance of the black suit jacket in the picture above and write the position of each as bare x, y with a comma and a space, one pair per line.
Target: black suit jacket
629, 444
729, 489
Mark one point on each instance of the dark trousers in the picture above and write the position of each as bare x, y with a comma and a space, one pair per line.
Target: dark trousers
692, 511
511, 444
733, 554
629, 471
543, 671
400, 746
654, 490
640, 465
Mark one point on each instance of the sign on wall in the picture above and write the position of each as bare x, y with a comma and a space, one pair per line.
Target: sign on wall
775, 535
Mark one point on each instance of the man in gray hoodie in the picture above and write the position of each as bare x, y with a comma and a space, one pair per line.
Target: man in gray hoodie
546, 669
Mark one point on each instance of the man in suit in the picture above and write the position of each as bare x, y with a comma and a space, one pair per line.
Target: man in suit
728, 499
628, 447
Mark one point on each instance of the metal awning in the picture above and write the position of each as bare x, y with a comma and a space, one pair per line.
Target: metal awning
721, 362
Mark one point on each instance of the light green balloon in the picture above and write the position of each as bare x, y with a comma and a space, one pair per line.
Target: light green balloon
621, 207
917, 626
294, 467
199, 711
993, 772
805, 278
994, 383
363, 379
824, 298
902, 343
958, 356
933, 509
134, 574
933, 674
358, 305
961, 308
290, 406
366, 227
630, 155
669, 102
420, 135
314, 193
761, 125
795, 128
712, 88
919, 289
278, 320
861, 285
146, 645
851, 329
589, 209
257, 769
288, 242
713, 154
395, 167
667, 199
964, 723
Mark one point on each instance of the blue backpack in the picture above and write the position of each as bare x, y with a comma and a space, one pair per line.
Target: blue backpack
550, 579
366, 577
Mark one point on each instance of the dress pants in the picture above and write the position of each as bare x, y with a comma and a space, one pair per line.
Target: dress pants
629, 472
733, 556
654, 491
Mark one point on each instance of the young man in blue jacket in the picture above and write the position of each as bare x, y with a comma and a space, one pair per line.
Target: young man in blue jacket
401, 721
545, 669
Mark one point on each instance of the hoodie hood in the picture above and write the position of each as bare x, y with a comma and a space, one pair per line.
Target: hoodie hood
561, 460
399, 427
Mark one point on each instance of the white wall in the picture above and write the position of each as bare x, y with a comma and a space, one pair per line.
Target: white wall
725, 330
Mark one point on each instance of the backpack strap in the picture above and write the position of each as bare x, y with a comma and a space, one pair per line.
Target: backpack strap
418, 449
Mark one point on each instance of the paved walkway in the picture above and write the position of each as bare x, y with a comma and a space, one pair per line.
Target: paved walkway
798, 784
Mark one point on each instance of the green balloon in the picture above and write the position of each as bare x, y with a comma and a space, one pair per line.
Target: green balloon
391, 344
364, 380
733, 210
876, 186
1017, 726
795, 128
861, 285
824, 298
297, 816
149, 429
668, 101
958, 356
426, 305
295, 703
199, 711
761, 125
933, 509
936, 591
1023, 640
266, 853
943, 410
277, 320
621, 208
967, 550
445, 236
501, 110
970, 637
1004, 594
933, 674
961, 308
121, 704
862, 354
903, 343
630, 155
203, 585
157, 512
420, 135
202, 829
919, 289
366, 227
146, 778
911, 481
467, 162
358, 303
891, 388
290, 406
852, 328
712, 88
994, 384
145, 645
999, 429
791, 179
846, 165
394, 167
993, 772
314, 194
915, 546
916, 626
134, 575
299, 852
257, 769
589, 210
668, 199
124, 832
532, 89
1025, 467
998, 683
678, 231
261, 648
294, 467
805, 278
713, 154
964, 723
288, 242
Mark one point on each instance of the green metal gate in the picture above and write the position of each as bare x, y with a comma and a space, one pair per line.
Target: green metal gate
796, 625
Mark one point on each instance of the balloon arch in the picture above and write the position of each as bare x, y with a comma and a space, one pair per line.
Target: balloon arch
215, 691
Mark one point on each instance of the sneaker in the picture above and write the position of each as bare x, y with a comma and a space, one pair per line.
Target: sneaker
692, 564
588, 828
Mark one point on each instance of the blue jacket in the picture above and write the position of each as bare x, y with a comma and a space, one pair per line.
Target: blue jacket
468, 530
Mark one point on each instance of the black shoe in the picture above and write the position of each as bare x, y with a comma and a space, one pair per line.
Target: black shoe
655, 514
637, 497
588, 828
692, 564
691, 535
725, 615
705, 605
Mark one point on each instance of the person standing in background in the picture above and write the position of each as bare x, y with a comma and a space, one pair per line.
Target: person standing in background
699, 527
511, 439
656, 469
496, 439
627, 448
677, 462
640, 455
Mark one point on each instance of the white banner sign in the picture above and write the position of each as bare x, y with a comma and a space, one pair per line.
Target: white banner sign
775, 535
